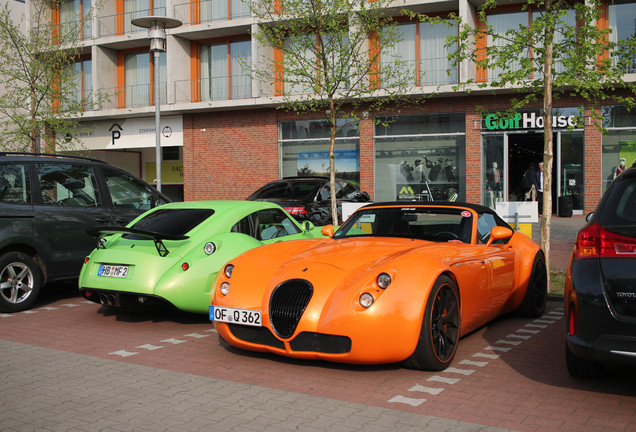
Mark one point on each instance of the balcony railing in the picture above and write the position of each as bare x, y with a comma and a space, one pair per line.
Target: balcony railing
120, 24
83, 99
432, 71
67, 31
133, 96
213, 89
211, 10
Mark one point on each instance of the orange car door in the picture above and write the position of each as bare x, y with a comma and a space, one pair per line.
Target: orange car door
501, 261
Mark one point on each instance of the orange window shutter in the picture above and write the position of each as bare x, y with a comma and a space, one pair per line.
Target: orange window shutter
195, 12
278, 71
119, 18
55, 25
603, 24
121, 81
481, 43
374, 58
195, 72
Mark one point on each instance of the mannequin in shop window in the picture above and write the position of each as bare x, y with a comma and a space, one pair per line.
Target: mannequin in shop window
620, 168
493, 177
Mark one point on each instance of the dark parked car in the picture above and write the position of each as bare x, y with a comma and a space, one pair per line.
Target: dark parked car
308, 198
46, 204
600, 287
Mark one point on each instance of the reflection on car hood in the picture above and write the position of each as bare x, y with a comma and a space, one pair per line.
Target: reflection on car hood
347, 255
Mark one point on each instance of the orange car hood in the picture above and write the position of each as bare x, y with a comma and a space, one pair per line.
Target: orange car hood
346, 255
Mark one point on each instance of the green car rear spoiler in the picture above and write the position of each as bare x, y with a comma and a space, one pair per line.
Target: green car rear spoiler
99, 232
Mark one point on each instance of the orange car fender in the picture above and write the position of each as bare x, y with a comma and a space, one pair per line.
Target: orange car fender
526, 250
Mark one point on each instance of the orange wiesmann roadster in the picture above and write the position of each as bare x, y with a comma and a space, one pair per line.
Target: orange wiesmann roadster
397, 282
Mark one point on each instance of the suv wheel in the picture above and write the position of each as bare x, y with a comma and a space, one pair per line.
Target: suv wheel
20, 282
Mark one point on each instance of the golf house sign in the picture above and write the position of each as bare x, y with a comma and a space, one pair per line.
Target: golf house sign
528, 120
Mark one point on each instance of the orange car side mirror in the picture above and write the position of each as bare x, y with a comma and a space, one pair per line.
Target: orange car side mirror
499, 233
327, 230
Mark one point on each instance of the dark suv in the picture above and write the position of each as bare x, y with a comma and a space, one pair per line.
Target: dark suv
46, 204
600, 287
308, 198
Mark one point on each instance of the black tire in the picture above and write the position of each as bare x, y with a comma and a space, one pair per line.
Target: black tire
534, 302
439, 334
20, 282
582, 368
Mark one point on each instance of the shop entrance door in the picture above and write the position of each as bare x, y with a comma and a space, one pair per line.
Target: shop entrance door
506, 157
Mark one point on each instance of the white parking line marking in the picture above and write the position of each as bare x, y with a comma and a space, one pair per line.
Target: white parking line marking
405, 400
494, 348
541, 326
28, 312
524, 337
174, 341
212, 330
465, 372
503, 341
529, 331
429, 390
123, 353
6, 315
70, 305
48, 308
490, 356
473, 363
149, 347
437, 378
196, 335
544, 321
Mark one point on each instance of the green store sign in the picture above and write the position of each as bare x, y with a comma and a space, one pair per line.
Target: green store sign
528, 120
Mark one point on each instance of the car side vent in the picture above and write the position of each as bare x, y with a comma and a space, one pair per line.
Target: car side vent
287, 304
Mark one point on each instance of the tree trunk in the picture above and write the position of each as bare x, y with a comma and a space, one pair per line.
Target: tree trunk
332, 163
548, 155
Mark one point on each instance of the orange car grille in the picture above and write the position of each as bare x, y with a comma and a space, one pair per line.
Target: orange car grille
305, 341
287, 304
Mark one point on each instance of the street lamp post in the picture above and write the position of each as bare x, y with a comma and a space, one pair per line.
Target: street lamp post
157, 26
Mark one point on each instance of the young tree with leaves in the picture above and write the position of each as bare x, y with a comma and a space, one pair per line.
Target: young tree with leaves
564, 52
331, 57
41, 99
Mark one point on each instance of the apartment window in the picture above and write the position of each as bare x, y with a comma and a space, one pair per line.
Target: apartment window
303, 71
137, 88
74, 16
137, 9
421, 53
508, 21
223, 70
213, 10
621, 22
79, 87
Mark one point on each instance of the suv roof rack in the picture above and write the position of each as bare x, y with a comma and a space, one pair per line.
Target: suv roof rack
52, 155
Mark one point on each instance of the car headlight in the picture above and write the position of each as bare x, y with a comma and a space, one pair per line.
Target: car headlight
228, 270
209, 248
366, 300
384, 280
224, 288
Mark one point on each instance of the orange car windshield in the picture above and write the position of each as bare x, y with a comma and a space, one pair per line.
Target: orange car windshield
432, 224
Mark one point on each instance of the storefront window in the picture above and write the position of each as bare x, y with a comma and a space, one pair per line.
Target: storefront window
619, 145
421, 157
305, 149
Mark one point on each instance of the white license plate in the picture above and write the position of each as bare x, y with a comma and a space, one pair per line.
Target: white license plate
119, 271
236, 316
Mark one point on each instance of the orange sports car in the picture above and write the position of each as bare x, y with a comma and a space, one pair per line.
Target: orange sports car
397, 282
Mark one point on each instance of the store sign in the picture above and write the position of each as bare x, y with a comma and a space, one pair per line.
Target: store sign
132, 133
528, 120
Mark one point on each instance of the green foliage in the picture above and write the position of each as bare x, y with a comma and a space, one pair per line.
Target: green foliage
331, 61
40, 98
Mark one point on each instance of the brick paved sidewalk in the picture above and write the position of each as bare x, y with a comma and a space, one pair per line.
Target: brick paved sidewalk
61, 391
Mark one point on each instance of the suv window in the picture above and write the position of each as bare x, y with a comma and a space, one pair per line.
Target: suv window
619, 212
274, 223
127, 191
68, 185
14, 184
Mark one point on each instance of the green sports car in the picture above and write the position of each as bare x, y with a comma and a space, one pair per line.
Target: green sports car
171, 254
